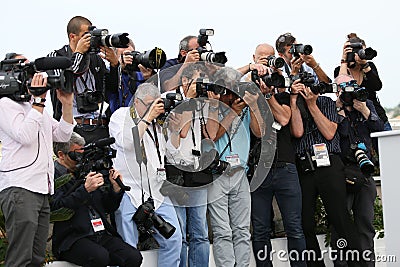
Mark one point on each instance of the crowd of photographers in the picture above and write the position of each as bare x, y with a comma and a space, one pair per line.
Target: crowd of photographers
173, 143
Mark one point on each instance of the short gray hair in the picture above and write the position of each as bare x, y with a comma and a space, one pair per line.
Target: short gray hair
65, 146
147, 89
228, 75
184, 43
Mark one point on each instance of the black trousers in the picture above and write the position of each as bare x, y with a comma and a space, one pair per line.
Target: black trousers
329, 183
101, 251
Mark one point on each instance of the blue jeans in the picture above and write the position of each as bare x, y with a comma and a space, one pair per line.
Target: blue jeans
193, 222
283, 182
168, 253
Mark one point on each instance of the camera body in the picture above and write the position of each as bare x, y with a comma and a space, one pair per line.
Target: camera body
274, 79
276, 62
211, 163
359, 151
14, 86
88, 101
324, 88
152, 59
351, 91
204, 85
306, 78
297, 49
145, 218
366, 54
100, 37
207, 54
170, 101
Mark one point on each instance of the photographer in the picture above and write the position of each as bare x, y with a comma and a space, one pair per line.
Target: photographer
300, 62
129, 78
197, 123
145, 173
92, 80
87, 238
359, 120
314, 125
172, 70
282, 180
27, 171
364, 72
229, 196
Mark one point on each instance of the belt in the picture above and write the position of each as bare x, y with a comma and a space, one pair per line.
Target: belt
87, 121
279, 164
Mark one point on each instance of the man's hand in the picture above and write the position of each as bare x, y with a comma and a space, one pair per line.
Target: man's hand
261, 69
39, 80
65, 98
147, 73
114, 174
309, 96
126, 58
175, 122
156, 109
93, 181
238, 105
83, 44
297, 87
250, 99
296, 65
192, 56
360, 106
309, 60
109, 54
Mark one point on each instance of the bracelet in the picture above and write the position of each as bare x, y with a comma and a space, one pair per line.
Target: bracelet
143, 120
38, 105
343, 61
316, 67
293, 93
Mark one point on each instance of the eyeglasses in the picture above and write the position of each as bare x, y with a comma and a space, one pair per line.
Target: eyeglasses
282, 38
144, 104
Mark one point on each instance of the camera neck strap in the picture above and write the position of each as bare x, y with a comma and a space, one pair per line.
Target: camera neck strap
156, 142
229, 144
140, 151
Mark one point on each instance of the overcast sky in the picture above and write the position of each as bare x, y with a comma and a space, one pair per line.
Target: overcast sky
37, 27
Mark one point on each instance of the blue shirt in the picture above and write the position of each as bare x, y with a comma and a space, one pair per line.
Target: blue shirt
240, 141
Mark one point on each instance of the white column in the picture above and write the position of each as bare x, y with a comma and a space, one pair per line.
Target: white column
389, 158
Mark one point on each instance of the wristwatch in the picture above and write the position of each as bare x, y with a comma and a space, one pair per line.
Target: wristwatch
39, 100
268, 96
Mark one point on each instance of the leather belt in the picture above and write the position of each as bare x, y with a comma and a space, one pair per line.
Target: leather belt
87, 121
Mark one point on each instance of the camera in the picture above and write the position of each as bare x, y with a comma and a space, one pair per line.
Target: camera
88, 101
274, 79
210, 163
170, 101
100, 37
15, 77
297, 49
367, 53
152, 59
365, 164
276, 62
323, 88
203, 85
351, 91
305, 163
64, 81
208, 54
145, 218
170, 186
306, 78
96, 157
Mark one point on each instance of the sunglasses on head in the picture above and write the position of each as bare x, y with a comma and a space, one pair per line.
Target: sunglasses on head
282, 38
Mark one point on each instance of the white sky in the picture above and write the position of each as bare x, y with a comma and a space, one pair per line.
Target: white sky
35, 28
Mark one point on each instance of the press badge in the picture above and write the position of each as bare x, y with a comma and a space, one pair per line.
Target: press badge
233, 160
161, 174
321, 155
97, 224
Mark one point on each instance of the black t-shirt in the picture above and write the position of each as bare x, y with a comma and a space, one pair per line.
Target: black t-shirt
284, 149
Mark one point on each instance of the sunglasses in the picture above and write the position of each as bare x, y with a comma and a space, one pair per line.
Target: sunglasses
282, 38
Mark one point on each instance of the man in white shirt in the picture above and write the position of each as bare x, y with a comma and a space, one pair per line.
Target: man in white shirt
146, 174
27, 171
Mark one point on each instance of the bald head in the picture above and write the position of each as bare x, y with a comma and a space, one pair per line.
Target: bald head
262, 52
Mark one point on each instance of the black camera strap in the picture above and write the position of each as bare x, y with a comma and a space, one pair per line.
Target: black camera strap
229, 144
155, 140
140, 151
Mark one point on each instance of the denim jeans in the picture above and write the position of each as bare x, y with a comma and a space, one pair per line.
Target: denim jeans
194, 228
168, 253
283, 182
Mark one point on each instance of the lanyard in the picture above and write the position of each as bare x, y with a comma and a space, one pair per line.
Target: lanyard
155, 140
